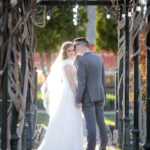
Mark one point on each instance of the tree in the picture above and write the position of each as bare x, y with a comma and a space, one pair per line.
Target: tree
106, 30
59, 28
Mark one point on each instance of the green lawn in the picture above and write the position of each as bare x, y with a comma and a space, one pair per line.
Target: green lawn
43, 119
39, 95
108, 95
109, 119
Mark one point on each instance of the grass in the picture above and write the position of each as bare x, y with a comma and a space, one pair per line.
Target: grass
43, 118
108, 95
39, 95
109, 119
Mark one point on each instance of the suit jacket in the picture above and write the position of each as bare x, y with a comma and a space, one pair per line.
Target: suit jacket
91, 78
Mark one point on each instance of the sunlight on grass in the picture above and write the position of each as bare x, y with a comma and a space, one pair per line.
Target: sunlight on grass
39, 95
108, 148
109, 122
43, 119
110, 96
109, 119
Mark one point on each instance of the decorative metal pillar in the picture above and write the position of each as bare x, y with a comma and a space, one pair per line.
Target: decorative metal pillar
147, 143
4, 110
23, 70
135, 130
126, 117
28, 121
120, 81
116, 100
4, 79
120, 108
14, 135
34, 108
27, 136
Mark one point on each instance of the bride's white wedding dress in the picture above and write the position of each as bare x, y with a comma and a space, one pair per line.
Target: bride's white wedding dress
64, 131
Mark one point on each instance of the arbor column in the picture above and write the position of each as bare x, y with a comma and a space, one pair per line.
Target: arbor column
120, 79
135, 130
147, 143
116, 100
126, 117
4, 79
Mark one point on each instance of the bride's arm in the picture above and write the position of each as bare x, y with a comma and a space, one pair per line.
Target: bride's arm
69, 74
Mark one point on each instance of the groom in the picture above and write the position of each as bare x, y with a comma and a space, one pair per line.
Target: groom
91, 92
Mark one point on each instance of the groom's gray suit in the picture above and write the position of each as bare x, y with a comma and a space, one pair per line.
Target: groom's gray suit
91, 93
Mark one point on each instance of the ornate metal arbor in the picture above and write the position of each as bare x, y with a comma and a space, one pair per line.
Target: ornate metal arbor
17, 81
17, 41
122, 75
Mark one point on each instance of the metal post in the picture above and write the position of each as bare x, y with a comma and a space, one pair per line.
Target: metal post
14, 135
23, 70
135, 130
120, 92
116, 100
26, 138
126, 119
23, 146
28, 120
4, 109
147, 143
34, 107
120, 99
5, 36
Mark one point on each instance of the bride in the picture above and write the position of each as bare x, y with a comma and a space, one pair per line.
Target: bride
64, 131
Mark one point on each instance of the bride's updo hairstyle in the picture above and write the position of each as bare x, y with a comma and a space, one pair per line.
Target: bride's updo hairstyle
64, 48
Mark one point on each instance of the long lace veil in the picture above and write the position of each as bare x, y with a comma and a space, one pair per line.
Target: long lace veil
51, 88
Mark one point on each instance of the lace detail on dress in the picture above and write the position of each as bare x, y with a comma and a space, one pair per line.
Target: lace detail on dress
74, 71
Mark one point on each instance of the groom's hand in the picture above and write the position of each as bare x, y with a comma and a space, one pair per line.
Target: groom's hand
79, 105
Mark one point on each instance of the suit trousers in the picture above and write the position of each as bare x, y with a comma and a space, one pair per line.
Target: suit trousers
94, 113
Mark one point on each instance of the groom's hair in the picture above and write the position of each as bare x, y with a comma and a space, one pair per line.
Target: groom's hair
82, 40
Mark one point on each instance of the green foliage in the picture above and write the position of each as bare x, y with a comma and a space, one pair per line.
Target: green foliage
82, 20
42, 119
106, 30
60, 28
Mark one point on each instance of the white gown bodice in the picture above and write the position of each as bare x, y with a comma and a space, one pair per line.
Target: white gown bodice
74, 72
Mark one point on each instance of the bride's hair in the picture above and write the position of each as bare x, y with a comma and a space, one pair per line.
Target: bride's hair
64, 48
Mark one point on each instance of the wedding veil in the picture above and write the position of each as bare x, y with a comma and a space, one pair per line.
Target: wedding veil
52, 87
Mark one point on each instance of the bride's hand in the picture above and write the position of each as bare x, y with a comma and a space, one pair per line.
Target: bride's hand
79, 105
